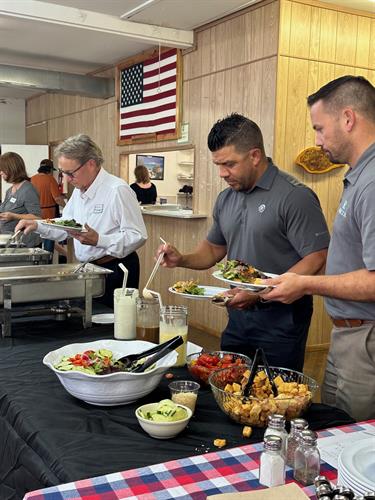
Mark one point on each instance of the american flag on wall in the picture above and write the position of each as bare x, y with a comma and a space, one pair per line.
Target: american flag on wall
149, 97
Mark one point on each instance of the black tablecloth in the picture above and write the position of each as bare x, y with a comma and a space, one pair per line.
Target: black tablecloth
47, 437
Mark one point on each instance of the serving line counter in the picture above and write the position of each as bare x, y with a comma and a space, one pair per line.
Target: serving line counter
169, 210
47, 437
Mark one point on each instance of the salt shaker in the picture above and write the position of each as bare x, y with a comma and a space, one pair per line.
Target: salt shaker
276, 427
296, 426
306, 458
272, 463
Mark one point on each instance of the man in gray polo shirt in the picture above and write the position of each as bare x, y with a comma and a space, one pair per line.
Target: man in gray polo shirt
343, 116
270, 220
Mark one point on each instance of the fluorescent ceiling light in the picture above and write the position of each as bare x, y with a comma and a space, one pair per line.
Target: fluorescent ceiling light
136, 9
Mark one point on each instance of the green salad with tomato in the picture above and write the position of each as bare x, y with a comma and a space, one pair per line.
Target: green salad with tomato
99, 362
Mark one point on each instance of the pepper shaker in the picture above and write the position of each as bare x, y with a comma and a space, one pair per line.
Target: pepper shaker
307, 458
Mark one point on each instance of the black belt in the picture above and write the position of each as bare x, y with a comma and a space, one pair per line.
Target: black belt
49, 206
104, 260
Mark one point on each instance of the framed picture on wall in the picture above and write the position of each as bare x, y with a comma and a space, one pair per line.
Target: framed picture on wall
154, 165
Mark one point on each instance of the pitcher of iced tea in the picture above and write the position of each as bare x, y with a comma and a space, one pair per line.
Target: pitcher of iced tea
147, 319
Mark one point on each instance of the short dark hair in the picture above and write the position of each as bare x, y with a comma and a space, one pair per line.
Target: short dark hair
236, 130
354, 91
46, 166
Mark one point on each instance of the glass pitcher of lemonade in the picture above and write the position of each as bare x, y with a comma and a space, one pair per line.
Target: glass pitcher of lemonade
173, 322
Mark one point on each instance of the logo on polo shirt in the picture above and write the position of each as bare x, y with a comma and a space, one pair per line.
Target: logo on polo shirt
343, 208
261, 208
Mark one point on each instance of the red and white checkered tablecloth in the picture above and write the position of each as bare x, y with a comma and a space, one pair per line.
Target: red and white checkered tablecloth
195, 478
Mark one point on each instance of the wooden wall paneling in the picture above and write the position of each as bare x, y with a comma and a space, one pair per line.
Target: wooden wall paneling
346, 41
253, 91
363, 37
237, 89
285, 27
371, 62
296, 90
271, 29
37, 134
203, 184
213, 184
255, 26
314, 41
281, 109
222, 46
328, 36
237, 29
268, 102
300, 32
205, 45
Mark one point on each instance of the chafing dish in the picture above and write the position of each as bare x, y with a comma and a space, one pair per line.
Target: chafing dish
30, 284
23, 256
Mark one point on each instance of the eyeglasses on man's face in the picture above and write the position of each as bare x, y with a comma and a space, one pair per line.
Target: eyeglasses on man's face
72, 173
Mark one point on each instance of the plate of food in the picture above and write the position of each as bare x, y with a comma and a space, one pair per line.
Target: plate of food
242, 275
66, 224
190, 289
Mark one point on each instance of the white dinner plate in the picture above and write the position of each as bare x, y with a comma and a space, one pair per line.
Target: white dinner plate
209, 292
61, 226
102, 319
345, 480
358, 460
248, 286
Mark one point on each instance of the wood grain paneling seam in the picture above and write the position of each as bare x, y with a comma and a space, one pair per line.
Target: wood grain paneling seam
78, 112
230, 68
325, 61
334, 7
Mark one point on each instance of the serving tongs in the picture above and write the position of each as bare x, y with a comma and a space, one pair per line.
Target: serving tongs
253, 372
13, 238
158, 352
259, 358
269, 373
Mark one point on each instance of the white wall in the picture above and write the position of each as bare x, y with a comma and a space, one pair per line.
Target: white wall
31, 155
12, 121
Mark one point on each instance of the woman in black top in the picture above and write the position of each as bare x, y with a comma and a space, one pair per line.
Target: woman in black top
143, 187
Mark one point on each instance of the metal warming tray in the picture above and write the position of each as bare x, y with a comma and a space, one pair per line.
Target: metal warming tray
30, 284
23, 257
51, 282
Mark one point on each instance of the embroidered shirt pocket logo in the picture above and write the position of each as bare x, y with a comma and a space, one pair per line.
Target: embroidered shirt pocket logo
98, 209
261, 208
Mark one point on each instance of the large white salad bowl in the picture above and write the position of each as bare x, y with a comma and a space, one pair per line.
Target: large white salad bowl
115, 388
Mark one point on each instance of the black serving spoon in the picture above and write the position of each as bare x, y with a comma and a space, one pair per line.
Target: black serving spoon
130, 359
164, 349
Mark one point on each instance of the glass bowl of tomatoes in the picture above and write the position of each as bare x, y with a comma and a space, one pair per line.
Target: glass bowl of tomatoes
202, 364
294, 394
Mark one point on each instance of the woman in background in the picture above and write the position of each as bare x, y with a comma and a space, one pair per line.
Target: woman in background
21, 200
143, 187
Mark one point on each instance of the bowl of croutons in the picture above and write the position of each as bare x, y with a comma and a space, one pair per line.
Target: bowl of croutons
293, 394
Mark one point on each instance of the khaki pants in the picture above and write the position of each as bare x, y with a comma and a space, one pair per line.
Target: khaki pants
349, 381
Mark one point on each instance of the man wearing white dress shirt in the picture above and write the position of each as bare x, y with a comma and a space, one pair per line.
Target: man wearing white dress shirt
107, 208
